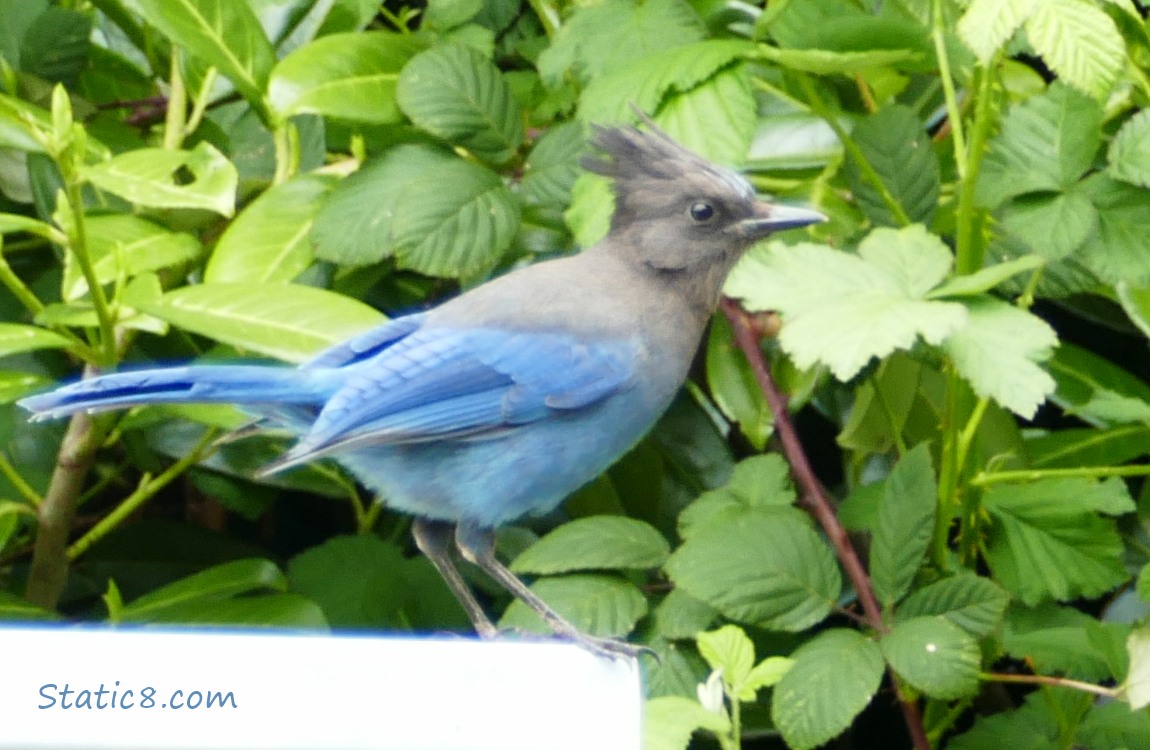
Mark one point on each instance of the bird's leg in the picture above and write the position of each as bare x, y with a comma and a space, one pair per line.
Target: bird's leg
477, 545
433, 538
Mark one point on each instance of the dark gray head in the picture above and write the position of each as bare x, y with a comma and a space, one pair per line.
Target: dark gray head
677, 210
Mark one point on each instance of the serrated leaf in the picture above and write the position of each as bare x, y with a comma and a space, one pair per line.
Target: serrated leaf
286, 321
687, 116
987, 278
16, 338
1116, 251
1046, 144
934, 656
270, 239
681, 615
904, 525
601, 38
434, 212
730, 650
552, 167
151, 177
830, 62
122, 243
997, 352
1129, 154
596, 604
456, 94
222, 33
596, 542
988, 24
1047, 542
1079, 42
1136, 687
1072, 447
895, 143
971, 602
723, 564
757, 482
351, 76
1058, 640
842, 310
1053, 224
208, 586
647, 81
670, 720
833, 678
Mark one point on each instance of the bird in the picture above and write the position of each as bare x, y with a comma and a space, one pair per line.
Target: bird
500, 402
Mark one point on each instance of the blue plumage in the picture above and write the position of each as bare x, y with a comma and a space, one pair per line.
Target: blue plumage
501, 402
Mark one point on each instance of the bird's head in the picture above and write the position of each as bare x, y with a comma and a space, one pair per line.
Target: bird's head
677, 211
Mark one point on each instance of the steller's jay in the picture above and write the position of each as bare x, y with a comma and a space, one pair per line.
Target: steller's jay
501, 402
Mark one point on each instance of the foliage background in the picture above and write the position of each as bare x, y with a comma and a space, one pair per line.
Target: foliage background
963, 344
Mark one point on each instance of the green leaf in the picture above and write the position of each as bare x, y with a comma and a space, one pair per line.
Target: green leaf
14, 385
1053, 224
222, 33
434, 212
152, 177
269, 610
605, 37
1038, 725
730, 650
971, 602
1129, 154
767, 673
1116, 251
670, 720
829, 62
646, 82
1088, 447
1047, 541
1046, 144
688, 116
681, 615
988, 24
127, 244
733, 385
351, 76
1114, 724
882, 406
551, 168
286, 321
895, 143
758, 482
207, 588
270, 239
596, 604
934, 656
456, 94
842, 310
16, 338
596, 542
904, 526
997, 352
56, 46
1079, 42
23, 125
987, 278
833, 678
1057, 640
1136, 687
14, 607
790, 589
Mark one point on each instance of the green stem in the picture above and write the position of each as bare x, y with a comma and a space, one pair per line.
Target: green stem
144, 492
287, 152
986, 478
968, 523
819, 107
12, 475
203, 99
1049, 681
938, 33
176, 114
968, 252
79, 247
548, 17
16, 285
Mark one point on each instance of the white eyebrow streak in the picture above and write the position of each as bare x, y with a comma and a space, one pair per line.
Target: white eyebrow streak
736, 182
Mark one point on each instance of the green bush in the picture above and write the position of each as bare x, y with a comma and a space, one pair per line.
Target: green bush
962, 345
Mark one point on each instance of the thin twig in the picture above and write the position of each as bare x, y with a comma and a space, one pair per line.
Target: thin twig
814, 497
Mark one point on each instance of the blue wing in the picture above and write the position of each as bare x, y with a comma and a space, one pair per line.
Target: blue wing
443, 383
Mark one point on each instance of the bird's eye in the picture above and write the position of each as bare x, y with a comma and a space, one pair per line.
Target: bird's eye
702, 212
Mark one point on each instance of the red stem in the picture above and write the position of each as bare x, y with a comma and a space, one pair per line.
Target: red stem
814, 497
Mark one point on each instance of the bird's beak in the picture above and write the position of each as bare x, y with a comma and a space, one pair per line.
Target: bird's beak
772, 217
